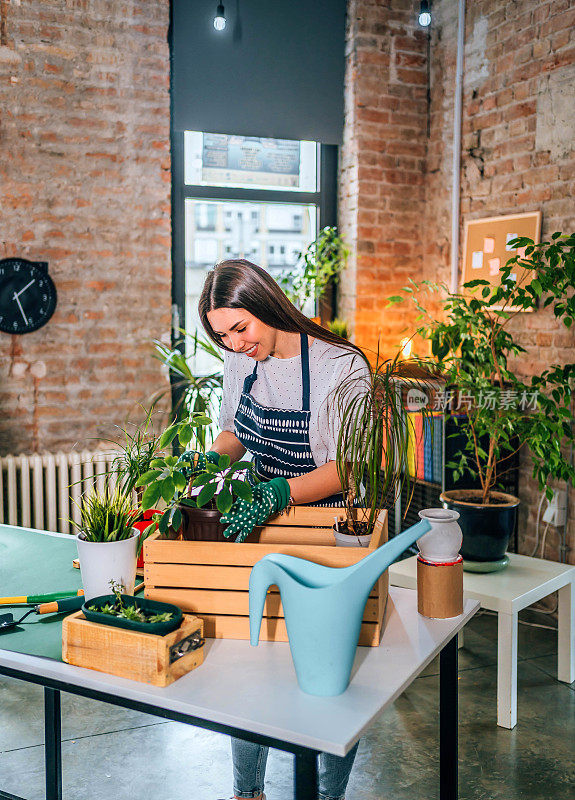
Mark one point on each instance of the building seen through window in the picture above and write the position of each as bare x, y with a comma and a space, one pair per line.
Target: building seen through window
270, 234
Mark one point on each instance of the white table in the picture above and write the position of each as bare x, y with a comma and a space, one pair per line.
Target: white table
525, 581
252, 692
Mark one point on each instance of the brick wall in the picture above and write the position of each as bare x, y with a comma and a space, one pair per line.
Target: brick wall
382, 164
85, 185
517, 155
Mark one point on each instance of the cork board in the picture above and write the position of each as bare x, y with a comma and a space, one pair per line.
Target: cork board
486, 247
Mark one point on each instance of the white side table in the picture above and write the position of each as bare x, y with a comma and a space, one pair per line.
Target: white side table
525, 581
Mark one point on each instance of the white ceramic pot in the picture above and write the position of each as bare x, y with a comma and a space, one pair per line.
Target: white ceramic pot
443, 542
350, 540
101, 562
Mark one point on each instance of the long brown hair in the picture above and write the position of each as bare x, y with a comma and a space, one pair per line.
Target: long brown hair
237, 283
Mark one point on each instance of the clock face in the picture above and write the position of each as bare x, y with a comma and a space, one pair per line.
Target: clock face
27, 295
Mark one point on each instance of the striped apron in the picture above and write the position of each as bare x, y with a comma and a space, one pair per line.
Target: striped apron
279, 438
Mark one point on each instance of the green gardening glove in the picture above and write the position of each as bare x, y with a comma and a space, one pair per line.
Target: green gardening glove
192, 462
268, 498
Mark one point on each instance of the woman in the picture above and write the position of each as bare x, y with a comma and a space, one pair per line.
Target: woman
280, 370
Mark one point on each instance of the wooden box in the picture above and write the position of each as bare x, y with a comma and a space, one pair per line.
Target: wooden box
145, 657
211, 579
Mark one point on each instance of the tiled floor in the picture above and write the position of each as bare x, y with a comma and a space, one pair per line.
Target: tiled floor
113, 754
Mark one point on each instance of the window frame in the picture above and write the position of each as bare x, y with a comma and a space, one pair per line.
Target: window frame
325, 200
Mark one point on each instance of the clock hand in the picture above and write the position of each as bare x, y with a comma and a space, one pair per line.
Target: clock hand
20, 307
24, 289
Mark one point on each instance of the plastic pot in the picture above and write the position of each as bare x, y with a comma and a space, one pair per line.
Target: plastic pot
151, 606
201, 525
102, 562
486, 528
141, 526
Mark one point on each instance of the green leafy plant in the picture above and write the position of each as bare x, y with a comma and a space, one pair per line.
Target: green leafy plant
473, 346
217, 484
321, 263
373, 439
194, 393
106, 516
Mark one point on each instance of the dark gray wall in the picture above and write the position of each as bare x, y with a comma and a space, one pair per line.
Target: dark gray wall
276, 70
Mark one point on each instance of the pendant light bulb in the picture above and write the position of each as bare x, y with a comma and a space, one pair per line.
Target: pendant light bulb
220, 18
424, 14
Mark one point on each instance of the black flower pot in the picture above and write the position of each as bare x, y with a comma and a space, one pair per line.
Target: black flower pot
486, 528
201, 525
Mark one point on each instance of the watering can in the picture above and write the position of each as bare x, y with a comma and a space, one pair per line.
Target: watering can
323, 606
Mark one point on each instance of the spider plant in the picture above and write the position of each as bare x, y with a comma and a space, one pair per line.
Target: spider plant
140, 447
374, 437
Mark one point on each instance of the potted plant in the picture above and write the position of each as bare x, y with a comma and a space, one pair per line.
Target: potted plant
195, 497
107, 541
372, 445
322, 262
473, 345
140, 446
194, 393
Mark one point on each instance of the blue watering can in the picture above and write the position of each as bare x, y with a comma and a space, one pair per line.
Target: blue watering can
323, 608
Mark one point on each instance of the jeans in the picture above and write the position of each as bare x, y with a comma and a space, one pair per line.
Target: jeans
250, 766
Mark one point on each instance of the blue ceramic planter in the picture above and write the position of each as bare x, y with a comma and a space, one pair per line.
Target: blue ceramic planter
323, 608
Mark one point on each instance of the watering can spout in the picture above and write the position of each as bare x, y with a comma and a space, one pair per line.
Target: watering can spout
263, 575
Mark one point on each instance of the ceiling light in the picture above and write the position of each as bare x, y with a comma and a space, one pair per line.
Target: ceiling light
220, 18
424, 14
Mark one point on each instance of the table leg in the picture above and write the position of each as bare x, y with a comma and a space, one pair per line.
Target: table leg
566, 634
53, 744
506, 670
460, 640
305, 775
448, 721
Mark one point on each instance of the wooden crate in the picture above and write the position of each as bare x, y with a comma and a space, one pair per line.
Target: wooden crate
146, 657
211, 579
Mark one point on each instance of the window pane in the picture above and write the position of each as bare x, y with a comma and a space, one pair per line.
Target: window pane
270, 235
214, 159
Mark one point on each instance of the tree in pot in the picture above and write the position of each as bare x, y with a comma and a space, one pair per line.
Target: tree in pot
373, 443
473, 346
107, 541
197, 490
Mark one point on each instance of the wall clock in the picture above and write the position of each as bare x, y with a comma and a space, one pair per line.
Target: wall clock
27, 295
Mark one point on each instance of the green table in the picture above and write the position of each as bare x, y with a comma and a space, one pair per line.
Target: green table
44, 565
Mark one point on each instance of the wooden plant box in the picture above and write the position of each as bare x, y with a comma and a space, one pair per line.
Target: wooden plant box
139, 656
211, 579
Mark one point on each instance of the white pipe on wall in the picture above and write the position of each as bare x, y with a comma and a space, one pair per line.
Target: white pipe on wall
457, 115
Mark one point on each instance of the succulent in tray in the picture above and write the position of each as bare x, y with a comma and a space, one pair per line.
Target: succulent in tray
126, 611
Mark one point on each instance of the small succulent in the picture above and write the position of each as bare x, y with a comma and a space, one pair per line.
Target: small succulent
133, 613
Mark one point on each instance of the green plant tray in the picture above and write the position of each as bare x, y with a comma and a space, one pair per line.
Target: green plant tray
158, 628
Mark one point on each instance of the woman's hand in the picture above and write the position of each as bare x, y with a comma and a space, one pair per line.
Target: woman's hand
192, 462
268, 499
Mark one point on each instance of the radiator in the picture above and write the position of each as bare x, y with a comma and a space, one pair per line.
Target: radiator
43, 491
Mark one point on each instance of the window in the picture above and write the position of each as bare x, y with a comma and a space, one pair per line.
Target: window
243, 197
